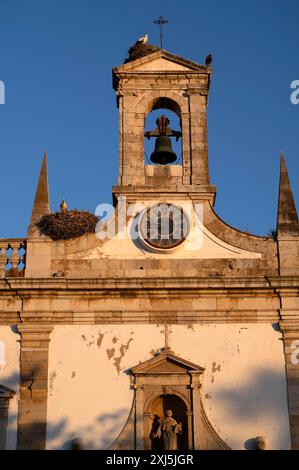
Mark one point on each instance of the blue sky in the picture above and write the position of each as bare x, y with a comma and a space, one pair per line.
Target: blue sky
56, 58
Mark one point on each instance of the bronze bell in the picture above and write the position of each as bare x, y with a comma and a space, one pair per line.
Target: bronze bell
163, 153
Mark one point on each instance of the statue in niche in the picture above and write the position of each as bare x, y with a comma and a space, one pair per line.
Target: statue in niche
167, 431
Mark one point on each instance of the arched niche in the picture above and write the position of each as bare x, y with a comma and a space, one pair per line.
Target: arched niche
166, 380
181, 413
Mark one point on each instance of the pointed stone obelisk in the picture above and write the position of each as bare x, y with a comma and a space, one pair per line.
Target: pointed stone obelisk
287, 218
288, 259
41, 203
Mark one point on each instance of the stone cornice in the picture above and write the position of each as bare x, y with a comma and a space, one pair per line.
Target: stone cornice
70, 290
162, 283
290, 328
96, 317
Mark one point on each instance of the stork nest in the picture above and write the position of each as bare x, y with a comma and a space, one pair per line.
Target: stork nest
140, 50
67, 224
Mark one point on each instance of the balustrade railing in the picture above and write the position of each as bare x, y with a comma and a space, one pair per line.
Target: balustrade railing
12, 257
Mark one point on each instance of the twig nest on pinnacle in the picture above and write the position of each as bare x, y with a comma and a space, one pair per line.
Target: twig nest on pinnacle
140, 50
66, 225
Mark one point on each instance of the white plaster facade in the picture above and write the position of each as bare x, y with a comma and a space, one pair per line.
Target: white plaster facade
244, 385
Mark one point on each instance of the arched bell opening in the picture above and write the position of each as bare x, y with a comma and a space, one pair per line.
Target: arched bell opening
163, 133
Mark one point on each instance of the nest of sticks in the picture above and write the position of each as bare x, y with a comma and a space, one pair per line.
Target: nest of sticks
65, 225
140, 50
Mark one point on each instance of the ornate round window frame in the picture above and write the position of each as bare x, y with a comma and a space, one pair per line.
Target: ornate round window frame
163, 227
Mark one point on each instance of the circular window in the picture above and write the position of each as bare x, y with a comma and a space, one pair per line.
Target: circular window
164, 226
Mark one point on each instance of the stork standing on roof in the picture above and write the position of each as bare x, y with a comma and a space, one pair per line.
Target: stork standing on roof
142, 40
63, 206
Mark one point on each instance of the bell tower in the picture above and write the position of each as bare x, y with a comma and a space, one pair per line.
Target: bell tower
161, 80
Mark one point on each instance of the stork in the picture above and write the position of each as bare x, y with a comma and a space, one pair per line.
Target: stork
142, 40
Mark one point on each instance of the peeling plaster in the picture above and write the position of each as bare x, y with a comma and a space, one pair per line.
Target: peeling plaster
110, 352
73, 374
125, 347
51, 380
117, 364
122, 350
100, 338
242, 328
114, 339
215, 367
84, 337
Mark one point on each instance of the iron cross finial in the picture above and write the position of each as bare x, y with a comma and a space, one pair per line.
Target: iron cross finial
161, 22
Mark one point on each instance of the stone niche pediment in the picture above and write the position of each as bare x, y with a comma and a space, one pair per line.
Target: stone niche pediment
166, 362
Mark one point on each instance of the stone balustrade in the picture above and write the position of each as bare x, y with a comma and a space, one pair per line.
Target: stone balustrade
12, 257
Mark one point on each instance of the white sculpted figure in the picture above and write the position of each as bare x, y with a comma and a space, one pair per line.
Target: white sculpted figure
168, 430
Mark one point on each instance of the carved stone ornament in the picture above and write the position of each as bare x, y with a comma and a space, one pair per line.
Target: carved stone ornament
167, 390
167, 382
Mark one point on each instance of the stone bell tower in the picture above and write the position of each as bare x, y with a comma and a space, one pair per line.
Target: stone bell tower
162, 80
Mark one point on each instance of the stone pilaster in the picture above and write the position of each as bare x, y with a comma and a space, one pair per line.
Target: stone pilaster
32, 414
3, 422
290, 331
198, 141
5, 396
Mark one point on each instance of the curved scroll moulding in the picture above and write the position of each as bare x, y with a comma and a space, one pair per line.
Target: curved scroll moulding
126, 438
210, 438
247, 241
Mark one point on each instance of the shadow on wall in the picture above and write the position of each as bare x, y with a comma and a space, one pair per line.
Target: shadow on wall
99, 434
11, 381
59, 431
262, 396
87, 434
